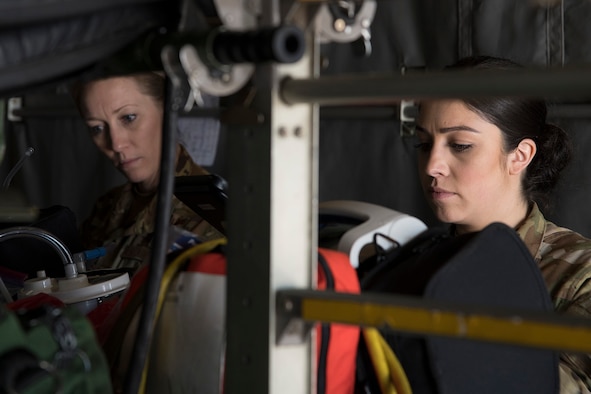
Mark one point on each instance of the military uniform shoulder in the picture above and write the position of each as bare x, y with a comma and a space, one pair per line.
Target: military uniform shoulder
115, 192
109, 200
567, 239
554, 231
186, 166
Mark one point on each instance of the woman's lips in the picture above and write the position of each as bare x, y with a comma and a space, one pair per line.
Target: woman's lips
127, 163
440, 194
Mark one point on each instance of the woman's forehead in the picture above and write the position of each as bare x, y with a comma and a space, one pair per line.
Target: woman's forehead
446, 110
112, 86
449, 116
113, 93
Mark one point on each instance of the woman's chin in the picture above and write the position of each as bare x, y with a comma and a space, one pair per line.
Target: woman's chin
447, 216
133, 176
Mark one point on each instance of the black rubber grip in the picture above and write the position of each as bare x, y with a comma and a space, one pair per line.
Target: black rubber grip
283, 44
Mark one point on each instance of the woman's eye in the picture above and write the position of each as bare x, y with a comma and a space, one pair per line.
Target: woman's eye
128, 118
94, 130
460, 147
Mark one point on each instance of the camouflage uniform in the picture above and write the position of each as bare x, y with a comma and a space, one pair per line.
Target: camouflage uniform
123, 221
564, 258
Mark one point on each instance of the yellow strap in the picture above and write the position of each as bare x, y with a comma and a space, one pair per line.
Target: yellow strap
389, 372
167, 277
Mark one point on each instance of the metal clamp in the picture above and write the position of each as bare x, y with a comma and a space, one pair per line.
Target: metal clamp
345, 21
408, 114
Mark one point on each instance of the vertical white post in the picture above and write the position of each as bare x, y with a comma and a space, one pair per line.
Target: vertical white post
272, 222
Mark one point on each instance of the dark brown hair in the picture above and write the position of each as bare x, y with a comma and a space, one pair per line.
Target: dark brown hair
522, 117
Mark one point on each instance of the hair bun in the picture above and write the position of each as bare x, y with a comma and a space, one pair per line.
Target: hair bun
554, 153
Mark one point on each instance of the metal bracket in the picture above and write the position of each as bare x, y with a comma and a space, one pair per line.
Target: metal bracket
230, 80
290, 327
236, 15
353, 24
14, 104
408, 113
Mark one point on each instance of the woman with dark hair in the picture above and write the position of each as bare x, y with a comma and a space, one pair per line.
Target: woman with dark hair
496, 159
124, 118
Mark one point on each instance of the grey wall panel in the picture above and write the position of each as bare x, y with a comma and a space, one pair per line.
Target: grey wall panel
577, 31
369, 161
513, 29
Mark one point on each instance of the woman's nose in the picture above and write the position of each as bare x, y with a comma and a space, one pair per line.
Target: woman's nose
436, 163
119, 139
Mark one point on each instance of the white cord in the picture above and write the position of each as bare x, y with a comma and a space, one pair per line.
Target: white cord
17, 167
5, 292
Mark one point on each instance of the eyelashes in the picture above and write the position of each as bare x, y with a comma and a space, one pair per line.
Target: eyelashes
460, 147
94, 130
426, 147
128, 118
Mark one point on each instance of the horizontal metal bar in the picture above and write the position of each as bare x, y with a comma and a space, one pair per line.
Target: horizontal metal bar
428, 317
382, 112
360, 89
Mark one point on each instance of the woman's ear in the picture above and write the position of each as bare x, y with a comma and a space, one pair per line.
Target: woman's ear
521, 156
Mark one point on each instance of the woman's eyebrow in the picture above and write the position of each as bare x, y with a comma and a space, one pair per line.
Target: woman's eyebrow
444, 130
458, 128
123, 107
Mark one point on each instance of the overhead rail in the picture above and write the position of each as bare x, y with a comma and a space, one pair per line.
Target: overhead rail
374, 89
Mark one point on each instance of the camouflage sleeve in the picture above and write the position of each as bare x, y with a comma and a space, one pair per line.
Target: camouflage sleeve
105, 213
574, 299
185, 218
89, 230
570, 381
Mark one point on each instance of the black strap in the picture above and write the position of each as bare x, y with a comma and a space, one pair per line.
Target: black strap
365, 377
325, 331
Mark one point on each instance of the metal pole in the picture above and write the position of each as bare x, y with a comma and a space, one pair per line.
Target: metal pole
389, 88
272, 211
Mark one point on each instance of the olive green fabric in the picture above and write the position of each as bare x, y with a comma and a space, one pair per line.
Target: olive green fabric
50, 349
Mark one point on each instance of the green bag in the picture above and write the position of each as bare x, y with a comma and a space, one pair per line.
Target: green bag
49, 349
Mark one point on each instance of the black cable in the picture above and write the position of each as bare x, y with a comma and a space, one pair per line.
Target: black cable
143, 339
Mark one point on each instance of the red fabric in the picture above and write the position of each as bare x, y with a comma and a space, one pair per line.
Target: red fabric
210, 263
102, 318
342, 350
11, 275
35, 301
105, 316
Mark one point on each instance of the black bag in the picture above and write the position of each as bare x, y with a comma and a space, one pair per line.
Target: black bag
491, 268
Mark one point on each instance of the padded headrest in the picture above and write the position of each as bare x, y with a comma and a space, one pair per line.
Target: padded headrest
491, 268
